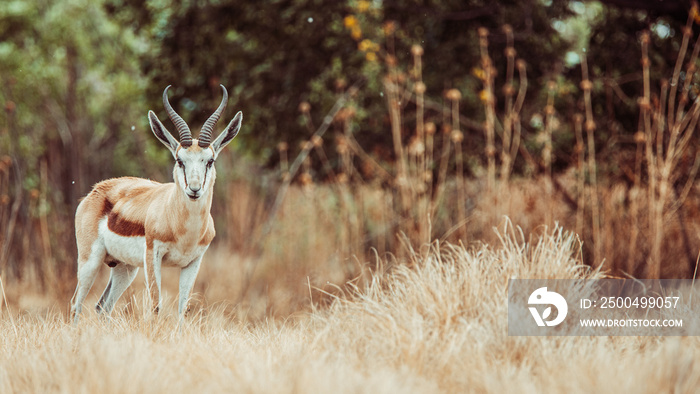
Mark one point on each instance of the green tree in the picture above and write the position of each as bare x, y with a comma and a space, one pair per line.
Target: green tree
72, 88
276, 54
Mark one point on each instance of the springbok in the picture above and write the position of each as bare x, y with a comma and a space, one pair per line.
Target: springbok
128, 222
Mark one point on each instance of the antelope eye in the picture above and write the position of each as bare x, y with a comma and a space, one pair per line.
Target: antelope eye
180, 163
210, 162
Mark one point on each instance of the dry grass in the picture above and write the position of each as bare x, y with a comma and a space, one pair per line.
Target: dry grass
325, 236
435, 323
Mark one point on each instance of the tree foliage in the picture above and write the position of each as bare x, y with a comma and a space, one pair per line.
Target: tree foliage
277, 54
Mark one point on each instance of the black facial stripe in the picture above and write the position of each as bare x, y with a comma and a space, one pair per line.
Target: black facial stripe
184, 174
206, 170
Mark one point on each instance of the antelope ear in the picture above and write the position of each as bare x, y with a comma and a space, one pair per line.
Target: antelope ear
162, 133
229, 133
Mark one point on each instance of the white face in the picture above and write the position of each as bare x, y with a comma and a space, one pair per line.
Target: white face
194, 170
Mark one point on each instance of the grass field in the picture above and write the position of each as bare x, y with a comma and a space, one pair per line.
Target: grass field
433, 322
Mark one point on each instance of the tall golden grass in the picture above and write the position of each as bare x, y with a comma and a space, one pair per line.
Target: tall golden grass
435, 322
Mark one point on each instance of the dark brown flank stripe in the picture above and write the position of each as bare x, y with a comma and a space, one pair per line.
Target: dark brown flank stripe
125, 227
121, 226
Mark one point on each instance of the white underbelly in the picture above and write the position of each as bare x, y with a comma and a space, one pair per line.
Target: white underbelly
128, 250
132, 250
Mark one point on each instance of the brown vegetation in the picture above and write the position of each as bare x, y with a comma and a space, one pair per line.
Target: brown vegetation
436, 322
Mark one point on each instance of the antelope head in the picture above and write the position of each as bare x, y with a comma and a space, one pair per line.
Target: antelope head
194, 171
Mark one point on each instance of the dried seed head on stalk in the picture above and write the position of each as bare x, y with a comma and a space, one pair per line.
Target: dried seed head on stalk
304, 107
640, 137
430, 128
549, 110
342, 178
416, 50
578, 118
520, 64
341, 146
644, 37
590, 125
644, 103
453, 94
687, 31
457, 136
446, 128
317, 141
282, 147
34, 194
416, 147
586, 85
490, 151
510, 52
4, 199
508, 90
507, 29
483, 32
419, 87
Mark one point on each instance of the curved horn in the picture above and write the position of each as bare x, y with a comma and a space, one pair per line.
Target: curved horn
180, 125
208, 128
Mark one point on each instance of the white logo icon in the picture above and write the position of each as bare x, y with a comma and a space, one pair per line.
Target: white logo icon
543, 297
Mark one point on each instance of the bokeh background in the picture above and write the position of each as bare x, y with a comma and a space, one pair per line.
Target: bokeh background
368, 126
